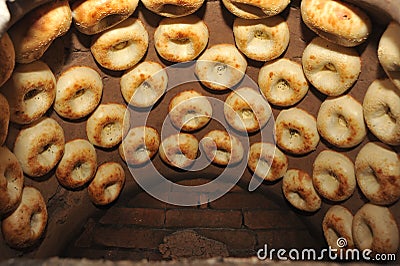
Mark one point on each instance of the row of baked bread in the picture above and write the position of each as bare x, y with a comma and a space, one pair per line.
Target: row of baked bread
93, 17
331, 68
38, 149
76, 167
79, 90
32, 90
335, 177
121, 47
336, 21
220, 69
372, 229
341, 118
52, 20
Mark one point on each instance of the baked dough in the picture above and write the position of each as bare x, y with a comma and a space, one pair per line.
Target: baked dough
78, 165
333, 176
4, 119
139, 145
107, 183
267, 161
250, 9
94, 16
27, 224
378, 174
78, 93
246, 110
298, 189
121, 47
382, 111
37, 30
40, 147
107, 125
330, 68
222, 148
336, 21
389, 52
221, 67
261, 40
282, 82
337, 224
7, 58
11, 181
340, 121
179, 150
190, 110
143, 85
375, 228
181, 39
296, 131
30, 92
173, 8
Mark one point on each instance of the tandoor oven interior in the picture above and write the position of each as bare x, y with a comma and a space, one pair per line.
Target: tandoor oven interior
137, 226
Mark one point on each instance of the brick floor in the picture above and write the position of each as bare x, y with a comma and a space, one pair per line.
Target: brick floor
243, 221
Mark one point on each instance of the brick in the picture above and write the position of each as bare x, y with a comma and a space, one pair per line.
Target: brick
188, 218
144, 200
287, 239
177, 196
216, 186
171, 206
85, 239
129, 237
135, 216
194, 182
114, 254
234, 239
266, 219
244, 201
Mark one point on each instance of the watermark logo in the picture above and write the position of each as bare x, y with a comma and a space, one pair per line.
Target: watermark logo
329, 253
341, 242
154, 180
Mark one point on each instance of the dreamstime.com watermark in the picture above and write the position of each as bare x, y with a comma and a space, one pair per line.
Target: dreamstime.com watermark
324, 254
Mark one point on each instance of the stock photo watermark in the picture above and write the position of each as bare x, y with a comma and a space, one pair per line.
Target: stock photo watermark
333, 254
